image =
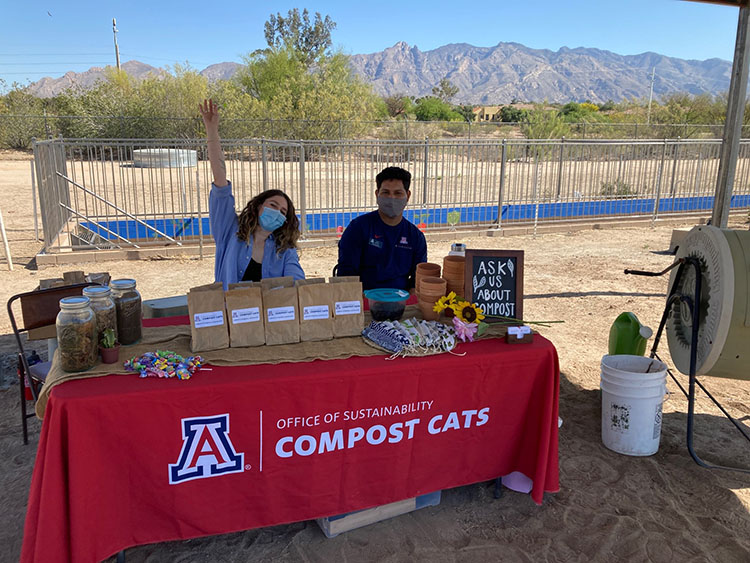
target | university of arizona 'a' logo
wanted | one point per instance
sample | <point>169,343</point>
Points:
<point>207,450</point>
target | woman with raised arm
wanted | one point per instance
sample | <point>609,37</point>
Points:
<point>262,242</point>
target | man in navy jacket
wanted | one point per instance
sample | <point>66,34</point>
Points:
<point>382,247</point>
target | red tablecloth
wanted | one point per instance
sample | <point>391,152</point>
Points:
<point>124,461</point>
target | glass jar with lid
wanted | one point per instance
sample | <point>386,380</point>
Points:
<point>103,306</point>
<point>76,334</point>
<point>128,307</point>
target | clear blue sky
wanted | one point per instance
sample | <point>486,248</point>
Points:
<point>49,38</point>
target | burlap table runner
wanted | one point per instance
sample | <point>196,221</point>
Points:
<point>177,339</point>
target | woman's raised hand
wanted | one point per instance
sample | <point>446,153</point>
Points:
<point>210,113</point>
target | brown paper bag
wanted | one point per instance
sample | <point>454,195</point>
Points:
<point>348,312</point>
<point>315,309</point>
<point>244,302</point>
<point>208,319</point>
<point>280,310</point>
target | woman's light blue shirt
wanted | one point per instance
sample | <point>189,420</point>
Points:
<point>232,254</point>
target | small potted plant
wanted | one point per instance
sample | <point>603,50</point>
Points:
<point>109,348</point>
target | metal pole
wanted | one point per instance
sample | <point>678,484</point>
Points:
<point>264,163</point>
<point>534,188</point>
<point>5,242</point>
<point>730,142</point>
<point>674,173</point>
<point>650,96</point>
<point>658,182</point>
<point>425,168</point>
<point>200,213</point>
<point>302,202</point>
<point>560,166</point>
<point>33,201</point>
<point>117,48</point>
<point>502,185</point>
<point>102,227</point>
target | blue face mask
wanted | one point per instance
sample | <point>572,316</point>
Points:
<point>271,219</point>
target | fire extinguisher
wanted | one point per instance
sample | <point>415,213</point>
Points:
<point>31,360</point>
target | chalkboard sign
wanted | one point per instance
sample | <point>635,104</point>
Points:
<point>494,281</point>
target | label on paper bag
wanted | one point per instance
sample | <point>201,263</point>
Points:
<point>316,312</point>
<point>249,315</point>
<point>277,314</point>
<point>348,308</point>
<point>214,318</point>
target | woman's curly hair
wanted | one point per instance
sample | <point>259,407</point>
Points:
<point>285,236</point>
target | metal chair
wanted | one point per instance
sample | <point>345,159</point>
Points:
<point>38,309</point>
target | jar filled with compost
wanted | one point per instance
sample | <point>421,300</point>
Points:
<point>103,306</point>
<point>76,334</point>
<point>128,307</point>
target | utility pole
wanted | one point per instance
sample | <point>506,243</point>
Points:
<point>117,49</point>
<point>650,96</point>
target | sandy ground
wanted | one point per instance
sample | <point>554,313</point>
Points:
<point>610,507</point>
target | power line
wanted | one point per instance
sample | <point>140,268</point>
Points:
<point>2,73</point>
<point>52,54</point>
<point>162,59</point>
<point>56,63</point>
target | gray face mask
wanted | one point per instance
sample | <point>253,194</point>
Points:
<point>391,206</point>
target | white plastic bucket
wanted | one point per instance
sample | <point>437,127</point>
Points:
<point>633,389</point>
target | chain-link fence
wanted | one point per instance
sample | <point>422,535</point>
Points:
<point>16,131</point>
<point>123,193</point>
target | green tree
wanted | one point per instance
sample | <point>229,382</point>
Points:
<point>398,105</point>
<point>465,111</point>
<point>574,112</point>
<point>445,90</point>
<point>434,109</point>
<point>543,124</point>
<point>686,109</point>
<point>329,91</point>
<point>17,132</point>
<point>509,114</point>
<point>309,41</point>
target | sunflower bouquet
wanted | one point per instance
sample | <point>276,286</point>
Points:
<point>467,316</point>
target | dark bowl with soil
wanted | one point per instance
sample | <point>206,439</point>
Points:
<point>386,304</point>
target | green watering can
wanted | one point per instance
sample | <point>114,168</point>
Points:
<point>628,336</point>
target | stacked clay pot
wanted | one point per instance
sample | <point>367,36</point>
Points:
<point>453,273</point>
<point>430,290</point>
<point>425,270</point>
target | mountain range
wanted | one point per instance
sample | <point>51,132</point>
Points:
<point>491,75</point>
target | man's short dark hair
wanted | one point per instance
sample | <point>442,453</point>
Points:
<point>394,173</point>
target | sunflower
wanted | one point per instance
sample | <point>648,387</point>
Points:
<point>444,302</point>
<point>468,312</point>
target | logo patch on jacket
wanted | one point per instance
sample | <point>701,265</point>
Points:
<point>375,242</point>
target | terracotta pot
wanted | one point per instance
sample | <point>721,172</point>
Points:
<point>428,268</point>
<point>454,263</point>
<point>110,355</point>
<point>431,296</point>
<point>427,313</point>
<point>433,284</point>
<point>457,289</point>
